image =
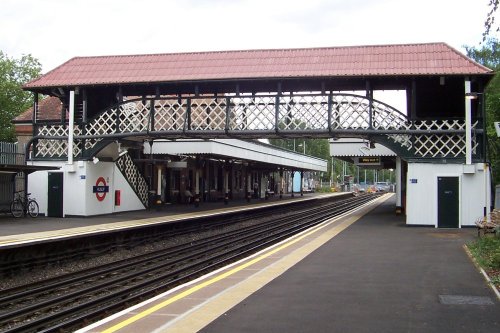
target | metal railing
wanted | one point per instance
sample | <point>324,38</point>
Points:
<point>12,153</point>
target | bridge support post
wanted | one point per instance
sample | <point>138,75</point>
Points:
<point>468,124</point>
<point>71,124</point>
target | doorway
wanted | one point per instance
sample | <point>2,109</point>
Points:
<point>55,194</point>
<point>448,202</point>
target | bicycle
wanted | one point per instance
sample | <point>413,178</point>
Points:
<point>23,205</point>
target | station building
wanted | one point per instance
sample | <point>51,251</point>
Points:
<point>113,104</point>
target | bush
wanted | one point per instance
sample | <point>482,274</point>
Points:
<point>486,250</point>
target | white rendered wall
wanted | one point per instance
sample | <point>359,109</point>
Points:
<point>37,186</point>
<point>79,198</point>
<point>422,196</point>
<point>74,187</point>
<point>93,173</point>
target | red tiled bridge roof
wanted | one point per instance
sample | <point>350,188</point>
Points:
<point>353,61</point>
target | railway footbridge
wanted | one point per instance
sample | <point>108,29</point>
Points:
<point>287,93</point>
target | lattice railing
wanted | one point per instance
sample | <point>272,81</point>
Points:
<point>267,115</point>
<point>48,148</point>
<point>434,145</point>
<point>134,177</point>
<point>169,115</point>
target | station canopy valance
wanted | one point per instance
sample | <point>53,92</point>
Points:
<point>16,168</point>
<point>350,147</point>
<point>241,150</point>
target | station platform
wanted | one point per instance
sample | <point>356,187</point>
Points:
<point>361,272</point>
<point>25,230</point>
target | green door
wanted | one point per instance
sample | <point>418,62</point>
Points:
<point>55,194</point>
<point>448,202</point>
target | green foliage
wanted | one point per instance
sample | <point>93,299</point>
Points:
<point>489,56</point>
<point>489,24</point>
<point>313,147</point>
<point>486,250</point>
<point>13,100</point>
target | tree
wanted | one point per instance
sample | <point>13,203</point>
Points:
<point>489,56</point>
<point>312,147</point>
<point>13,100</point>
<point>489,24</point>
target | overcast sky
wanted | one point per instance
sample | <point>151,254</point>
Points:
<point>55,31</point>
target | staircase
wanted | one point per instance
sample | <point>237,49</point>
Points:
<point>134,177</point>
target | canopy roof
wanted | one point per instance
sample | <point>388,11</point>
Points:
<point>241,150</point>
<point>343,147</point>
<point>351,61</point>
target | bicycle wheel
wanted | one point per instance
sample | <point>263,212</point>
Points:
<point>16,208</point>
<point>33,208</point>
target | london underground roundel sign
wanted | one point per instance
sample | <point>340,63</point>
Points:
<point>100,189</point>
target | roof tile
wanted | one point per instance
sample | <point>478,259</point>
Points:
<point>387,60</point>
<point>49,108</point>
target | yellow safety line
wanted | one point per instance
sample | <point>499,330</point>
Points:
<point>200,286</point>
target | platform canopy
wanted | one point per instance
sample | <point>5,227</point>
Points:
<point>357,147</point>
<point>16,168</point>
<point>363,153</point>
<point>248,151</point>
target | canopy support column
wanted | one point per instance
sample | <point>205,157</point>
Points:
<point>197,188</point>
<point>399,206</point>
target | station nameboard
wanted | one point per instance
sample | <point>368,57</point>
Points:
<point>368,160</point>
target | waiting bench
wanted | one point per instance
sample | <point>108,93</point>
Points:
<point>488,226</point>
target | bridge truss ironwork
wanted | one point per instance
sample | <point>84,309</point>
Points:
<point>271,115</point>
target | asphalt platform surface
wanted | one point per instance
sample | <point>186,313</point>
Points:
<point>377,276</point>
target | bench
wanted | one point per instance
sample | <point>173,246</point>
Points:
<point>488,226</point>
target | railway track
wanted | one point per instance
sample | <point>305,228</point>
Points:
<point>62,251</point>
<point>65,302</point>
